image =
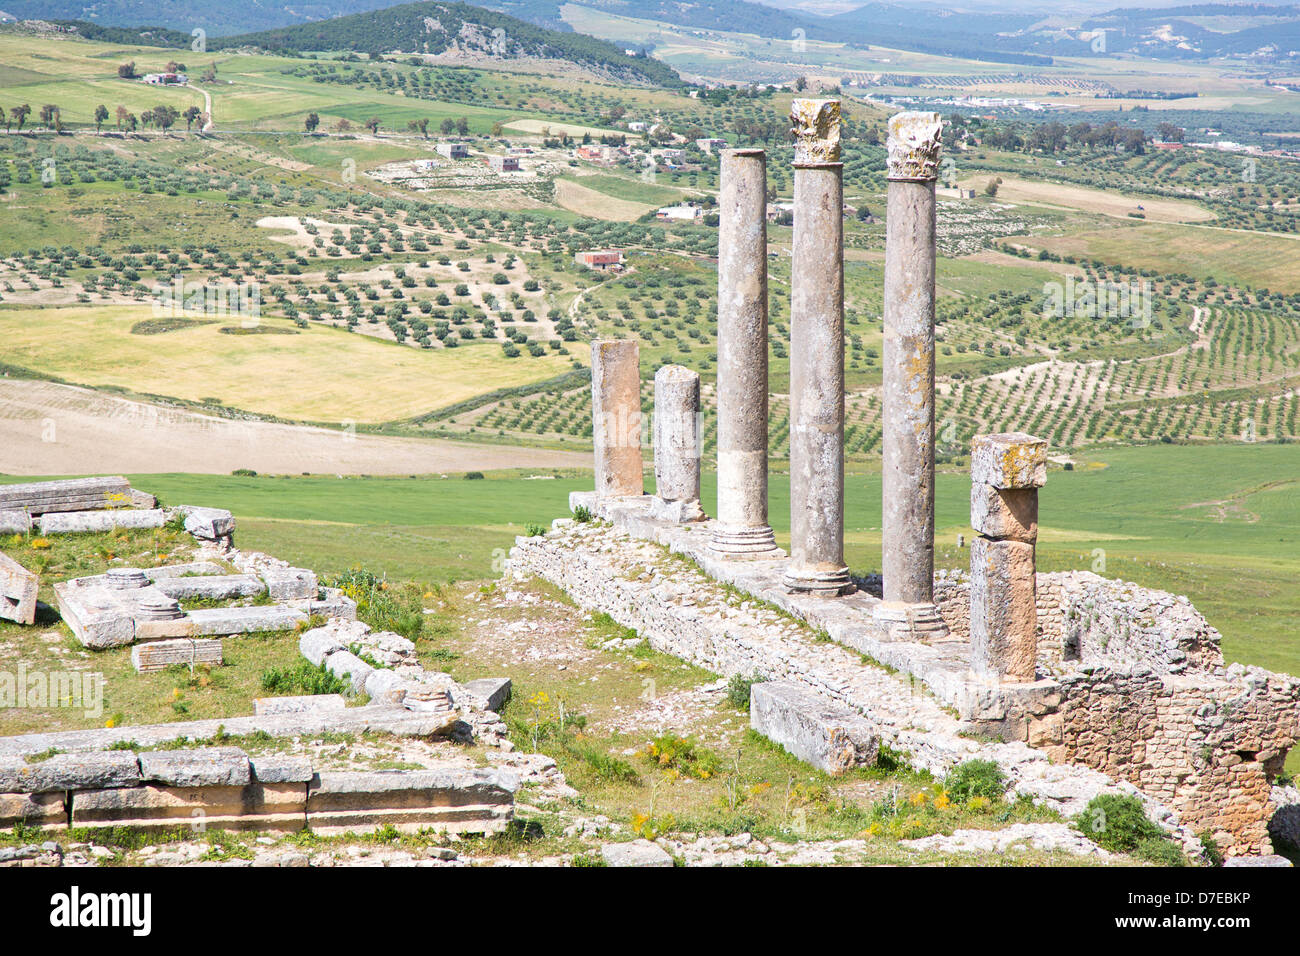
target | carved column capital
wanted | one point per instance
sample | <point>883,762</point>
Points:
<point>816,128</point>
<point>914,144</point>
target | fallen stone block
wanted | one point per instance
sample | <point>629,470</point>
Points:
<point>78,771</point>
<point>1010,513</point>
<point>1269,860</point>
<point>200,767</point>
<point>245,620</point>
<point>1003,612</point>
<point>96,621</point>
<point>334,604</point>
<point>218,587</point>
<point>1009,460</point>
<point>254,806</point>
<point>314,703</point>
<point>289,584</point>
<point>18,588</point>
<point>15,522</point>
<point>159,655</point>
<point>493,691</point>
<point>282,768</point>
<point>830,736</point>
<point>447,800</point>
<point>142,499</point>
<point>33,810</point>
<point>635,853</point>
<point>207,524</point>
<point>318,644</point>
<point>72,494</point>
<point>346,665</point>
<point>83,522</point>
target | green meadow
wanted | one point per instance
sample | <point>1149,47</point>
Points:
<point>1216,523</point>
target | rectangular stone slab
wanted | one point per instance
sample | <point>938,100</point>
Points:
<point>82,522</point>
<point>282,768</point>
<point>33,810</point>
<point>832,737</point>
<point>15,522</point>
<point>245,620</point>
<point>212,586</point>
<point>1010,513</point>
<point>73,494</point>
<point>200,767</point>
<point>159,655</point>
<point>96,621</point>
<point>268,706</point>
<point>81,771</point>
<point>1009,460</point>
<point>255,806</point>
<point>451,800</point>
<point>18,588</point>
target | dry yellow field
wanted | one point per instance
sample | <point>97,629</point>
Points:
<point>315,374</point>
<point>590,202</point>
<point>1097,201</point>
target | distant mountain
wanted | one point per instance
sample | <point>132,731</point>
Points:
<point>216,19</point>
<point>433,27</point>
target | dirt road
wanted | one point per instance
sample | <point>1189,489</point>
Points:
<point>48,429</point>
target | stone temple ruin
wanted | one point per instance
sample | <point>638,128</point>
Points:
<point>1075,685</point>
<point>114,777</point>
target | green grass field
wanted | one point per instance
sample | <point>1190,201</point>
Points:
<point>1213,523</point>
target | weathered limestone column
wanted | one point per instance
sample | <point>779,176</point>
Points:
<point>817,354</point>
<point>616,418</point>
<point>741,529</point>
<point>907,525</point>
<point>677,444</point>
<point>1006,472</point>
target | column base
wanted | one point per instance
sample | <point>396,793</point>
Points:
<point>915,621</point>
<point>683,511</point>
<point>753,543</point>
<point>826,583</point>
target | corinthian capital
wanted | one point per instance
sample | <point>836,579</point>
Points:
<point>816,129</point>
<point>914,144</point>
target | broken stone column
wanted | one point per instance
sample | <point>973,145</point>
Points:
<point>817,354</point>
<point>907,524</point>
<point>18,588</point>
<point>677,444</point>
<point>1006,472</point>
<point>741,529</point>
<point>616,418</point>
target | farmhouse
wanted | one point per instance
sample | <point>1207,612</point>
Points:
<point>684,212</point>
<point>453,150</point>
<point>165,79</point>
<point>503,164</point>
<point>603,259</point>
<point>708,145</point>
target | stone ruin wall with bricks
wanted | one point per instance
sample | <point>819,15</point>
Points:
<point>1076,685</point>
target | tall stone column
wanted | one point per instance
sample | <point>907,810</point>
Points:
<point>1006,472</point>
<point>817,354</point>
<point>677,444</point>
<point>741,529</point>
<point>907,526</point>
<point>616,418</point>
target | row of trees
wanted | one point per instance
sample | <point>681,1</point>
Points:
<point>161,117</point>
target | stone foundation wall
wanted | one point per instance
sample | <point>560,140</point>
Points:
<point>1209,749</point>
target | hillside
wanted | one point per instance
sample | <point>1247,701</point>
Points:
<point>218,19</point>
<point>455,28</point>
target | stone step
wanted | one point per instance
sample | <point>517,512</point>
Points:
<point>448,800</point>
<point>74,494</point>
<point>159,655</point>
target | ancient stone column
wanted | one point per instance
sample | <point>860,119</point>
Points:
<point>1006,472</point>
<point>817,354</point>
<point>907,526</point>
<point>741,529</point>
<point>616,418</point>
<point>677,444</point>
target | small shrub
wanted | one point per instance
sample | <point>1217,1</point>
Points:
<point>1210,849</point>
<point>534,530</point>
<point>582,514</point>
<point>976,778</point>
<point>1161,851</point>
<point>682,756</point>
<point>1117,823</point>
<point>473,476</point>
<point>738,690</point>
